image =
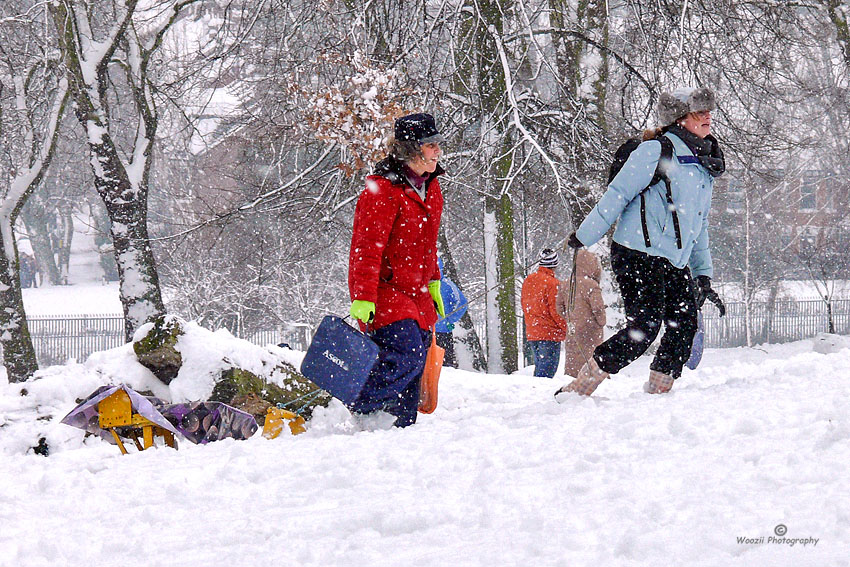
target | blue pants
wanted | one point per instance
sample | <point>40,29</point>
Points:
<point>393,384</point>
<point>547,354</point>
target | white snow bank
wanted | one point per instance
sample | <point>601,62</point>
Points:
<point>500,474</point>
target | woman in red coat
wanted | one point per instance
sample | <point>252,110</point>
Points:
<point>393,276</point>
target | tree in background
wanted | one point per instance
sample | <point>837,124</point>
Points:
<point>33,93</point>
<point>264,207</point>
<point>752,239</point>
<point>48,218</point>
<point>109,51</point>
<point>483,84</point>
<point>531,96</point>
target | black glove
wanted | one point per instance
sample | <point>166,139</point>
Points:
<point>574,242</point>
<point>704,292</point>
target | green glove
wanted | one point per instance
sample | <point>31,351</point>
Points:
<point>434,290</point>
<point>363,310</point>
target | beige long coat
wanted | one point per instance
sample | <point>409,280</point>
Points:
<point>588,314</point>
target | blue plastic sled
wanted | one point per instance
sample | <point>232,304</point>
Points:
<point>698,344</point>
<point>339,359</point>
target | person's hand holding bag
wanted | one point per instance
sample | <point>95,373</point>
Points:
<point>362,310</point>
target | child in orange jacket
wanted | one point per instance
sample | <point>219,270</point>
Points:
<point>544,326</point>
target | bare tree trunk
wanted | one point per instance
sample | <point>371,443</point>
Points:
<point>63,252</point>
<point>830,320</point>
<point>505,285</point>
<point>140,292</point>
<point>123,186</point>
<point>567,52</point>
<point>748,293</point>
<point>103,241</point>
<point>502,345</point>
<point>471,355</point>
<point>32,130</point>
<point>39,235</point>
<point>488,87</point>
<point>770,312</point>
<point>18,351</point>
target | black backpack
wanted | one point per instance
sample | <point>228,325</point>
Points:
<point>622,154</point>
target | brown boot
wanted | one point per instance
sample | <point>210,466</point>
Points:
<point>658,383</point>
<point>587,380</point>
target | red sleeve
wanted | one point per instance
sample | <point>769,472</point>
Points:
<point>374,217</point>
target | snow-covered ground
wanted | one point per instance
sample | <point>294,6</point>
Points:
<point>85,294</point>
<point>90,298</point>
<point>500,474</point>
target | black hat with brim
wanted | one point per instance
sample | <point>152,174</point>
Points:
<point>419,127</point>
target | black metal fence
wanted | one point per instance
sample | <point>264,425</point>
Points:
<point>298,337</point>
<point>784,322</point>
<point>59,339</point>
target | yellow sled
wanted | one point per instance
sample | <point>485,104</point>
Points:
<point>276,418</point>
<point>116,412</point>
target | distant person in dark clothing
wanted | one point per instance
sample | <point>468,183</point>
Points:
<point>27,264</point>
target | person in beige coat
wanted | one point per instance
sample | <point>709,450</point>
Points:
<point>587,317</point>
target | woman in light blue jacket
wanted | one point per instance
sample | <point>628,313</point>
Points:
<point>661,240</point>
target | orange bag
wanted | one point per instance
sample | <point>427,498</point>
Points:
<point>431,376</point>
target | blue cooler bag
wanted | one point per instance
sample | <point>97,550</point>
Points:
<point>339,359</point>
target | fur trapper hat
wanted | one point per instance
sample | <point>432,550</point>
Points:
<point>672,106</point>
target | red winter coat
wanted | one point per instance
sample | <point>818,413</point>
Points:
<point>393,252</point>
<point>539,294</point>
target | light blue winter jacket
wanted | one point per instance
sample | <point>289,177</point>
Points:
<point>691,185</point>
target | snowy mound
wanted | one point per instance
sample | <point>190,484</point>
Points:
<point>743,463</point>
<point>56,390</point>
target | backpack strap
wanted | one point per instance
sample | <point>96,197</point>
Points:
<point>663,164</point>
<point>673,210</point>
<point>646,240</point>
<point>661,174</point>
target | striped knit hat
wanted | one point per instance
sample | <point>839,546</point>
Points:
<point>548,258</point>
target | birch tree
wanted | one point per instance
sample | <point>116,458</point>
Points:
<point>32,100</point>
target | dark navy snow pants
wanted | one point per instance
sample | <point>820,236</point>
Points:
<point>393,384</point>
<point>653,291</point>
